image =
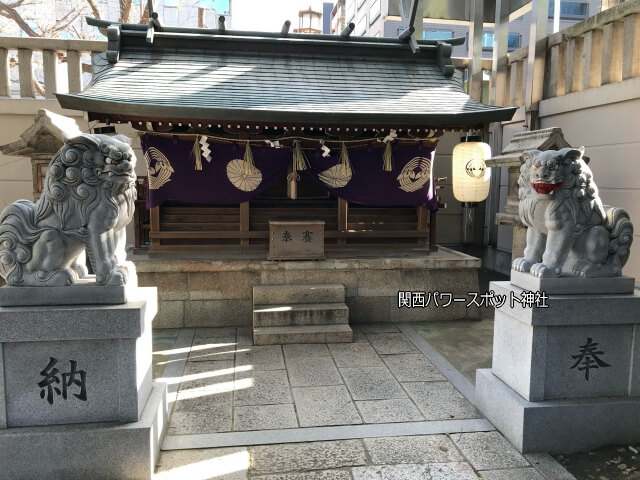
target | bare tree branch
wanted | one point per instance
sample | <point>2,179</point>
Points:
<point>94,8</point>
<point>62,24</point>
<point>37,86</point>
<point>9,11</point>
<point>125,11</point>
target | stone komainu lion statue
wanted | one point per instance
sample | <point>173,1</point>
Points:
<point>570,232</point>
<point>87,201</point>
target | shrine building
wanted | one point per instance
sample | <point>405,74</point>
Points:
<point>248,135</point>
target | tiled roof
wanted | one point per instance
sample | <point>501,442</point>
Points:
<point>323,80</point>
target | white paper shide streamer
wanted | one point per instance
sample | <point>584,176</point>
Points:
<point>205,150</point>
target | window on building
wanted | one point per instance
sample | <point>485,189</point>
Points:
<point>351,9</point>
<point>514,42</point>
<point>374,11</point>
<point>570,9</point>
<point>432,34</point>
<point>361,27</point>
<point>172,3</point>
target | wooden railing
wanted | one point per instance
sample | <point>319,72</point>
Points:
<point>36,61</point>
<point>600,50</point>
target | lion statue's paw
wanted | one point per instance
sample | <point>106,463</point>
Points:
<point>118,278</point>
<point>81,270</point>
<point>543,271</point>
<point>586,269</point>
<point>57,278</point>
<point>521,265</point>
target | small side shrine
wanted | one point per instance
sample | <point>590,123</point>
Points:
<point>40,142</point>
<point>242,128</point>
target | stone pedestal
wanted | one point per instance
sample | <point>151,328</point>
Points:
<point>565,378</point>
<point>76,392</point>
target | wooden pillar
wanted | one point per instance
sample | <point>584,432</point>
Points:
<point>343,213</point>
<point>500,44</point>
<point>534,88</point>
<point>417,24</point>
<point>475,49</point>
<point>432,232</point>
<point>154,221</point>
<point>423,222</point>
<point>244,221</point>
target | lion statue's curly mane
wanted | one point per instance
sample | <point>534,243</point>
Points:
<point>86,203</point>
<point>570,232</point>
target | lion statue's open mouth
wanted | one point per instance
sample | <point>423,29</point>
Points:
<point>546,188</point>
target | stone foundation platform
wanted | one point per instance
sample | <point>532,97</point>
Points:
<point>566,376</point>
<point>557,426</point>
<point>96,450</point>
<point>76,392</point>
<point>195,290</point>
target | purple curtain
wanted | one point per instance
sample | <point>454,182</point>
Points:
<point>172,173</point>
<point>409,183</point>
<point>222,181</point>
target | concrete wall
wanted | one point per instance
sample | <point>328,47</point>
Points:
<point>605,121</point>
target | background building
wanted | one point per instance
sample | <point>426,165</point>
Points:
<point>338,17</point>
<point>371,19</point>
<point>326,17</point>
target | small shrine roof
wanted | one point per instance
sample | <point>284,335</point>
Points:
<point>163,73</point>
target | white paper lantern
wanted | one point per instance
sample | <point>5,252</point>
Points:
<point>470,175</point>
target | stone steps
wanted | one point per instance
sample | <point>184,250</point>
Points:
<point>296,294</point>
<point>300,314</point>
<point>302,334</point>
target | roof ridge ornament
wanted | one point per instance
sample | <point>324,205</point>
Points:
<point>348,30</point>
<point>285,28</point>
<point>443,58</point>
<point>113,43</point>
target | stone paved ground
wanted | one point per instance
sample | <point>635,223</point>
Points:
<point>229,385</point>
<point>466,456</point>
